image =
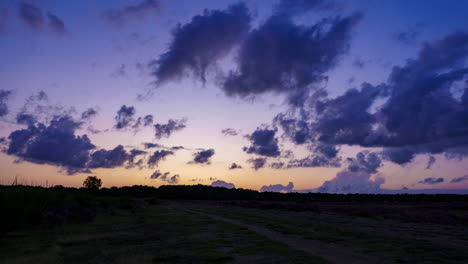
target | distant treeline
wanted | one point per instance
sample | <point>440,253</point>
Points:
<point>203,192</point>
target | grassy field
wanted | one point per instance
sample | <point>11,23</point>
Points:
<point>130,229</point>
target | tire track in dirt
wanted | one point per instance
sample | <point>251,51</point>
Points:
<point>330,251</point>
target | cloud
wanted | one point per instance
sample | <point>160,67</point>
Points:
<point>34,17</point>
<point>56,24</point>
<point>165,176</point>
<point>459,179</point>
<point>199,44</point>
<point>220,183</point>
<point>203,157</point>
<point>88,114</point>
<point>54,144</point>
<point>312,162</point>
<point>57,144</point>
<point>110,158</point>
<point>149,145</point>
<point>235,166</point>
<point>257,163</point>
<point>365,161</point>
<point>278,188</point>
<point>432,180</point>
<point>283,57</point>
<point>408,36</point>
<point>4,96</point>
<point>124,116</point>
<point>352,182</point>
<point>166,130</point>
<point>413,113</point>
<point>25,119</point>
<point>138,11</point>
<point>229,132</point>
<point>263,143</point>
<point>430,162</point>
<point>157,156</point>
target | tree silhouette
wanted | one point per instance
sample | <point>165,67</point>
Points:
<point>92,183</point>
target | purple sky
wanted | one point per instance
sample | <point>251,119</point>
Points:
<point>334,96</point>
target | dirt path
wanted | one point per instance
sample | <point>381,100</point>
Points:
<point>329,251</point>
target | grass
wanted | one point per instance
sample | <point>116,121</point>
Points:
<point>159,234</point>
<point>406,250</point>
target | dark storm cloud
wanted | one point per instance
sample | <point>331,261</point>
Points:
<point>368,162</point>
<point>124,116</point>
<point>263,143</point>
<point>432,180</point>
<point>138,11</point>
<point>157,156</point>
<point>4,96</point>
<point>257,163</point>
<point>32,15</point>
<point>88,114</point>
<point>413,113</point>
<point>460,179</point>
<point>165,176</point>
<point>200,43</point>
<point>203,157</point>
<point>229,132</point>
<point>220,183</point>
<point>56,24</point>
<point>166,130</point>
<point>54,144</point>
<point>284,57</point>
<point>235,166</point>
<point>278,188</point>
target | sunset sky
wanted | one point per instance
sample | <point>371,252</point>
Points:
<point>334,96</point>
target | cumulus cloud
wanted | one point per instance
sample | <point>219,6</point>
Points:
<point>220,183</point>
<point>365,161</point>
<point>263,143</point>
<point>166,130</point>
<point>4,96</point>
<point>157,156</point>
<point>257,163</point>
<point>284,57</point>
<point>88,114</point>
<point>352,182</point>
<point>137,12</point>
<point>414,112</point>
<point>200,43</point>
<point>165,176</point>
<point>57,144</point>
<point>124,116</point>
<point>459,179</point>
<point>203,157</point>
<point>229,132</point>
<point>278,188</point>
<point>235,166</point>
<point>431,180</point>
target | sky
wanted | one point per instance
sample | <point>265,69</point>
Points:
<point>289,95</point>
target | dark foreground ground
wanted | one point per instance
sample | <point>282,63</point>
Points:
<point>207,231</point>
